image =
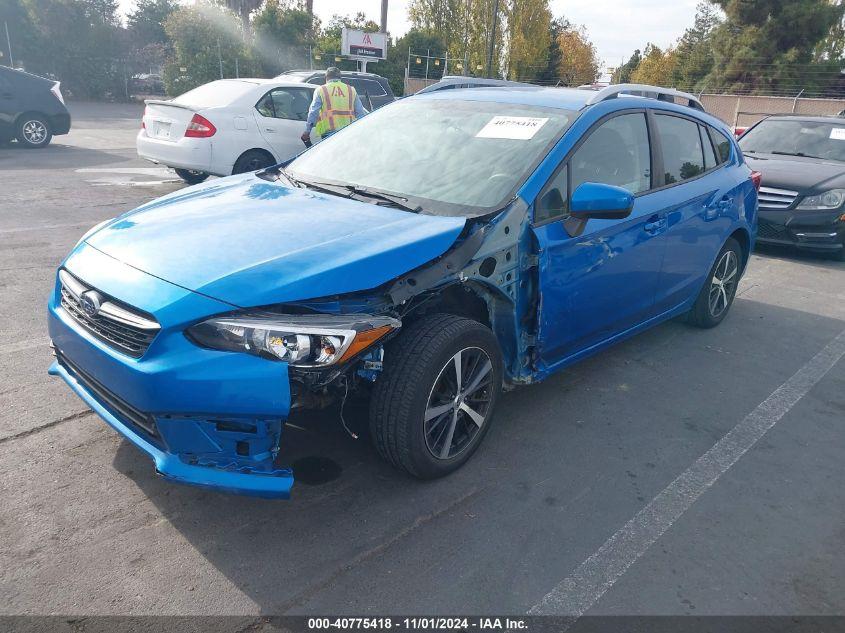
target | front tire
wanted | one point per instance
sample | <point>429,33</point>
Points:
<point>717,296</point>
<point>33,131</point>
<point>191,176</point>
<point>434,401</point>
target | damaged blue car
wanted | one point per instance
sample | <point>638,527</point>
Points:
<point>437,252</point>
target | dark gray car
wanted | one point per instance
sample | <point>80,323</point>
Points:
<point>32,109</point>
<point>374,90</point>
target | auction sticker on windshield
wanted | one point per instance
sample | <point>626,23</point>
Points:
<point>515,127</point>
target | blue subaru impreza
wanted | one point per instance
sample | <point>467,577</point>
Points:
<point>435,252</point>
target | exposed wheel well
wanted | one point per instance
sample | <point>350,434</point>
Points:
<point>741,236</point>
<point>456,299</point>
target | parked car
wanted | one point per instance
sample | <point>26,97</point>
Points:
<point>32,108</point>
<point>146,84</point>
<point>802,197</point>
<point>527,230</point>
<point>451,82</point>
<point>374,90</point>
<point>229,126</point>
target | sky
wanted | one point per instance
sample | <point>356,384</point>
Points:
<point>616,27</point>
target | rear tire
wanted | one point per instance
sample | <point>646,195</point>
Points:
<point>33,131</point>
<point>718,293</point>
<point>191,176</point>
<point>253,160</point>
<point>422,420</point>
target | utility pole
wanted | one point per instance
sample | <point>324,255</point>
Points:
<point>491,45</point>
<point>384,16</point>
<point>219,58</point>
<point>9,44</point>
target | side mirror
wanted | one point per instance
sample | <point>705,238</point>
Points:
<point>593,200</point>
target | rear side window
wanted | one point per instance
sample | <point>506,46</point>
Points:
<point>680,141</point>
<point>709,155</point>
<point>286,103</point>
<point>722,145</point>
<point>616,153</point>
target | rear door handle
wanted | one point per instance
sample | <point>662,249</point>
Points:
<point>655,225</point>
<point>272,130</point>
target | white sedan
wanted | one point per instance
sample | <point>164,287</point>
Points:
<point>230,126</point>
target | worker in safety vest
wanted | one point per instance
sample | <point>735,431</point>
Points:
<point>334,106</point>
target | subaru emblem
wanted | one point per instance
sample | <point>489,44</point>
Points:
<point>90,303</point>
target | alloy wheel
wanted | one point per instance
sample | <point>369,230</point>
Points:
<point>34,132</point>
<point>459,403</point>
<point>723,284</point>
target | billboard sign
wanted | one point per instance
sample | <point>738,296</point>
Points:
<point>361,44</point>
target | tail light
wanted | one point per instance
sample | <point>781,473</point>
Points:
<point>739,131</point>
<point>200,127</point>
<point>56,90</point>
<point>757,179</point>
<point>144,116</point>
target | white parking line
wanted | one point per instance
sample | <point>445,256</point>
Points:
<point>576,594</point>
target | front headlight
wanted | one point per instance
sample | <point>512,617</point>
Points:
<point>832,199</point>
<point>303,340</point>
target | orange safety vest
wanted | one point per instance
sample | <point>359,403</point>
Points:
<point>338,107</point>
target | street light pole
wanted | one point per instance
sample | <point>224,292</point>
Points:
<point>9,44</point>
<point>491,45</point>
<point>384,16</point>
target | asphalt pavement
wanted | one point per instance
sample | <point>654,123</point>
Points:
<point>587,495</point>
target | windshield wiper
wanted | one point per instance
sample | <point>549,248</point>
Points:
<point>395,200</point>
<point>801,154</point>
<point>355,192</point>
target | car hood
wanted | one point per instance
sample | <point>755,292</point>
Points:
<point>798,173</point>
<point>251,242</point>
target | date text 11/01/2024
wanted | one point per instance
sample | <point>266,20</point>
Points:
<point>419,623</point>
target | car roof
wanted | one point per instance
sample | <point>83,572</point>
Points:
<point>22,74</point>
<point>311,73</point>
<point>563,98</point>
<point>260,81</point>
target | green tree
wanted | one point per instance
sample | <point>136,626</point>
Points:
<point>204,39</point>
<point>768,46</point>
<point>416,41</point>
<point>283,34</point>
<point>657,67</point>
<point>529,24</point>
<point>146,23</point>
<point>579,62</point>
<point>22,34</point>
<point>548,71</point>
<point>622,75</point>
<point>694,52</point>
<point>79,43</point>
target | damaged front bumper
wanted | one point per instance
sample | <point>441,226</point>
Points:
<point>227,474</point>
<point>206,418</point>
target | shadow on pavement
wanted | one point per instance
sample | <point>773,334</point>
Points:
<point>567,462</point>
<point>56,156</point>
<point>790,253</point>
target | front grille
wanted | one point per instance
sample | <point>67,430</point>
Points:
<point>118,325</point>
<point>770,231</point>
<point>771,198</point>
<point>116,405</point>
